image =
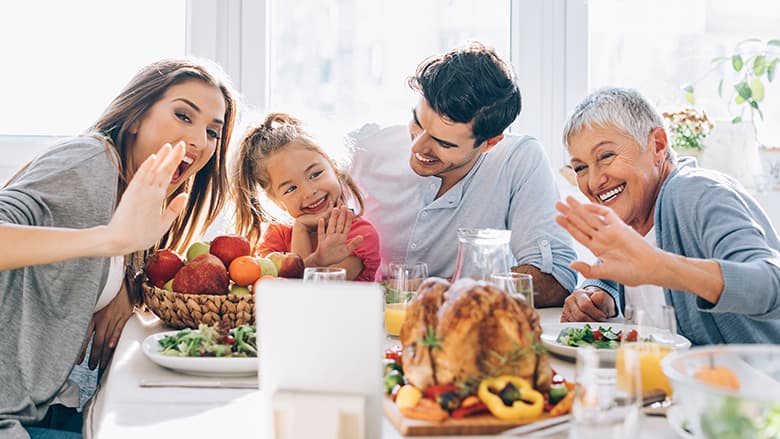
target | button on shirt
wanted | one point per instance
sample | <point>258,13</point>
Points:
<point>511,187</point>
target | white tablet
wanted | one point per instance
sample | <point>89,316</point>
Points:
<point>324,338</point>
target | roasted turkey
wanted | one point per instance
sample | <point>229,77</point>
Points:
<point>463,332</point>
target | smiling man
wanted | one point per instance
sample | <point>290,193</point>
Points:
<point>463,172</point>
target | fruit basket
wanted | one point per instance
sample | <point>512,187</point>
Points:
<point>181,310</point>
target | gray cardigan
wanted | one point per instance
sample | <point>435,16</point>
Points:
<point>704,214</point>
<point>45,310</point>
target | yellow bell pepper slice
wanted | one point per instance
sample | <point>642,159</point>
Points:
<point>529,406</point>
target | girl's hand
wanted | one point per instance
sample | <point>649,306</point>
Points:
<point>332,245</point>
<point>139,220</point>
<point>307,221</point>
<point>311,221</point>
<point>625,256</point>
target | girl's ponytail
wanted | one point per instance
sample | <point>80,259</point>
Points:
<point>250,214</point>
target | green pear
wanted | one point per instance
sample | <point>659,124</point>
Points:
<point>268,267</point>
<point>196,249</point>
<point>168,285</point>
<point>239,290</point>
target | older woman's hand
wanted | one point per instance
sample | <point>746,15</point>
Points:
<point>624,255</point>
<point>589,305</point>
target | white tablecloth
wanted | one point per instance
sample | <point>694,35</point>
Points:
<point>123,409</point>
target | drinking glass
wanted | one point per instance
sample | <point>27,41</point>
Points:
<point>607,398</point>
<point>402,283</point>
<point>656,327</point>
<point>319,274</point>
<point>519,285</point>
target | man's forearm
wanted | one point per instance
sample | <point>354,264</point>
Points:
<point>547,291</point>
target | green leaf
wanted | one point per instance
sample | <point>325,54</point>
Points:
<point>739,100</point>
<point>773,43</point>
<point>770,70</point>
<point>688,88</point>
<point>689,98</point>
<point>737,119</point>
<point>736,62</point>
<point>759,65</point>
<point>757,90</point>
<point>754,104</point>
<point>744,90</point>
<point>718,59</point>
<point>720,88</point>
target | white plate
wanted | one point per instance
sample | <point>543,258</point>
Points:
<point>550,334</point>
<point>676,419</point>
<point>203,366</point>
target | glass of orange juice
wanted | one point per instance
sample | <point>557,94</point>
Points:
<point>656,327</point>
<point>402,283</point>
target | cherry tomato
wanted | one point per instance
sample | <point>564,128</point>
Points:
<point>394,353</point>
<point>632,335</point>
<point>597,335</point>
<point>228,339</point>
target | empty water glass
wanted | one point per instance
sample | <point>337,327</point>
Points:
<point>607,399</point>
<point>320,274</point>
<point>519,285</point>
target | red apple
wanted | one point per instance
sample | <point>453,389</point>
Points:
<point>229,247</point>
<point>288,265</point>
<point>205,274</point>
<point>162,266</point>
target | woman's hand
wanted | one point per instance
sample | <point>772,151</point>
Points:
<point>589,305</point>
<point>625,256</point>
<point>107,325</point>
<point>139,220</point>
<point>332,245</point>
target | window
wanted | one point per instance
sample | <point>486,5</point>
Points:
<point>64,61</point>
<point>350,58</point>
<point>658,47</point>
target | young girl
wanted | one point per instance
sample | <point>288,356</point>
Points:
<point>51,312</point>
<point>280,158</point>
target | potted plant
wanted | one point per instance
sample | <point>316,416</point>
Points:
<point>745,71</point>
<point>733,147</point>
<point>687,130</point>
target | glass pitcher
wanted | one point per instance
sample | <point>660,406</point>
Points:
<point>482,252</point>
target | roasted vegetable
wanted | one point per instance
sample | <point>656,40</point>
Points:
<point>511,398</point>
<point>392,379</point>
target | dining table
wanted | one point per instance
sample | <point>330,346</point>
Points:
<point>140,399</point>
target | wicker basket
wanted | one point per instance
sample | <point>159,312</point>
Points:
<point>189,310</point>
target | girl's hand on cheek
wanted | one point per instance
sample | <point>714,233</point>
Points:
<point>307,221</point>
<point>332,245</point>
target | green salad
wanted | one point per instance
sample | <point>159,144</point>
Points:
<point>731,418</point>
<point>211,341</point>
<point>601,338</point>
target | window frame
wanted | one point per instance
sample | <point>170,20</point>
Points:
<point>548,46</point>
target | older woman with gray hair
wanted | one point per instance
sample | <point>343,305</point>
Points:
<point>664,230</point>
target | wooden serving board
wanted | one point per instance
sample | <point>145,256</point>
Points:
<point>472,425</point>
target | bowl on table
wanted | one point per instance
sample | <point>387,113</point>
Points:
<point>728,391</point>
<point>181,310</point>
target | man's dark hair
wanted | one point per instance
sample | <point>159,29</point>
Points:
<point>470,83</point>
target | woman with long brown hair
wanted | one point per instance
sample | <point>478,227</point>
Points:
<point>52,312</point>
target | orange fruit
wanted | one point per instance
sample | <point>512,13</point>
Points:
<point>244,270</point>
<point>718,376</point>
